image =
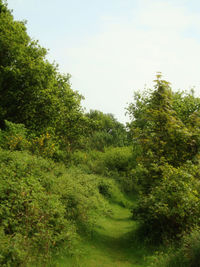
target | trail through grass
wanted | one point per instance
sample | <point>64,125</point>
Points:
<point>113,243</point>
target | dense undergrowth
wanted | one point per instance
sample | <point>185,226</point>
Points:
<point>48,205</point>
<point>45,206</point>
<point>114,162</point>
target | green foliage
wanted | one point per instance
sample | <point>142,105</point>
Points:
<point>32,91</point>
<point>191,248</point>
<point>13,137</point>
<point>32,217</point>
<point>90,161</point>
<point>105,131</point>
<point>80,195</point>
<point>163,137</point>
<point>186,255</point>
<point>136,109</point>
<point>17,137</point>
<point>172,206</point>
<point>44,145</point>
<point>42,207</point>
<point>166,153</point>
<point>118,160</point>
<point>159,136</point>
<point>110,189</point>
<point>114,162</point>
<point>185,104</point>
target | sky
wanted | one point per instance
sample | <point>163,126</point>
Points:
<point>113,48</point>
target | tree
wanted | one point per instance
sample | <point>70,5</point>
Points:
<point>166,148</point>
<point>185,104</point>
<point>105,131</point>
<point>32,91</point>
<point>159,134</point>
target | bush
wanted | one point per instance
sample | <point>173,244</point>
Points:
<point>186,255</point>
<point>14,136</point>
<point>110,189</point>
<point>43,205</point>
<point>80,195</point>
<point>171,207</point>
<point>114,162</point>
<point>117,160</point>
<point>32,217</point>
<point>90,162</point>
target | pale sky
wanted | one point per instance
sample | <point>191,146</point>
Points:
<point>115,47</point>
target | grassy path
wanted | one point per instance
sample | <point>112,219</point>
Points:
<point>113,243</point>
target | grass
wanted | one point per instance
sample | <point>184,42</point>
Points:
<point>113,243</point>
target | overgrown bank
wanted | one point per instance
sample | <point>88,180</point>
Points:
<point>48,206</point>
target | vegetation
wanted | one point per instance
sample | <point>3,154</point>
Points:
<point>75,183</point>
<point>106,131</point>
<point>166,144</point>
<point>109,247</point>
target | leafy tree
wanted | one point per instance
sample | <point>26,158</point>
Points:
<point>105,130</point>
<point>185,104</point>
<point>159,135</point>
<point>166,149</point>
<point>32,91</point>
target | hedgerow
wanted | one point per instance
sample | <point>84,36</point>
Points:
<point>43,207</point>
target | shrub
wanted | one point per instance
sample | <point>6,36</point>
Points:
<point>80,195</point>
<point>43,205</point>
<point>43,145</point>
<point>118,163</point>
<point>14,136</point>
<point>110,189</point>
<point>187,254</point>
<point>118,160</point>
<point>171,207</point>
<point>114,162</point>
<point>32,217</point>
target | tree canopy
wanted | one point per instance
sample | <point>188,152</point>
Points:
<point>32,91</point>
<point>161,130</point>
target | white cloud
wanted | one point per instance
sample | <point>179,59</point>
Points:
<point>126,54</point>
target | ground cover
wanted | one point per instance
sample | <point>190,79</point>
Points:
<point>113,243</point>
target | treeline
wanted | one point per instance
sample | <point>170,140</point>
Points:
<point>34,93</point>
